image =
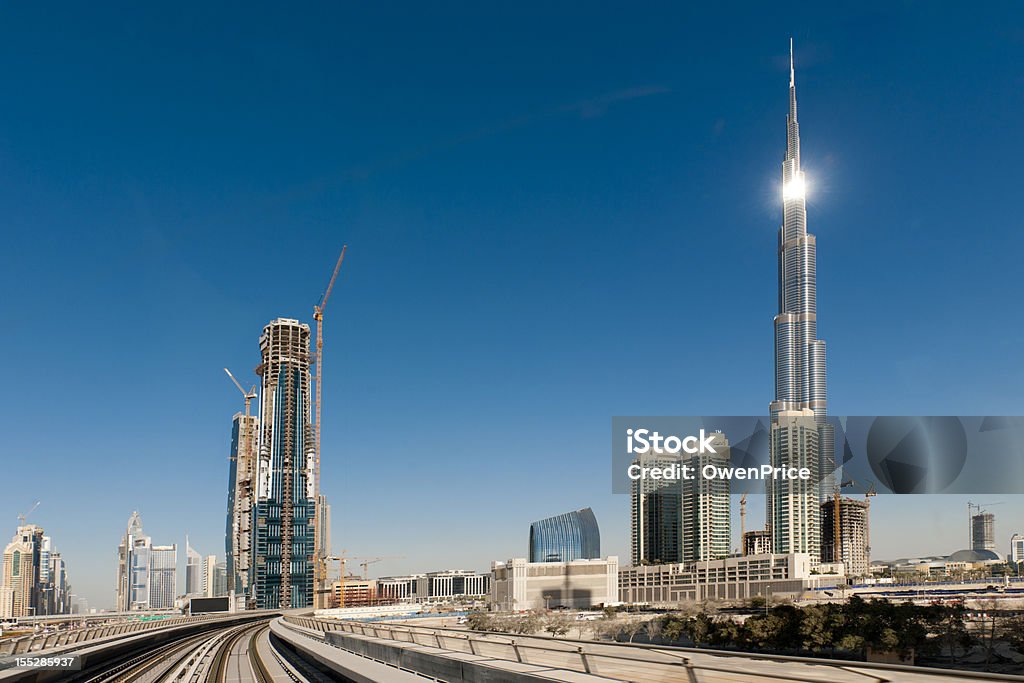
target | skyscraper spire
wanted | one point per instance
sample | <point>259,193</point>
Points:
<point>792,73</point>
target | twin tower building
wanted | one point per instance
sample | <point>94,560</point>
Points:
<point>689,520</point>
<point>276,519</point>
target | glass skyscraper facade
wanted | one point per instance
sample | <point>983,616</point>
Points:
<point>656,513</point>
<point>286,491</point>
<point>800,369</point>
<point>563,538</point>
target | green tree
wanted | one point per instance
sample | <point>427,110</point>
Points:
<point>557,624</point>
<point>672,628</point>
<point>818,627</point>
<point>631,628</point>
<point>701,628</point>
<point>480,621</point>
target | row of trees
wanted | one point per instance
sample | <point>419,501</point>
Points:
<point>847,629</point>
<point>842,630</point>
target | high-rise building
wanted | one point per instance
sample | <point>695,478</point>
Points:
<point>793,504</point>
<point>193,571</point>
<point>853,535</point>
<point>241,488</point>
<point>163,570</point>
<point>656,513</point>
<point>220,580</point>
<point>983,531</point>
<point>19,590</point>
<point>146,574</point>
<point>323,530</point>
<point>286,491</point>
<point>58,588</point>
<point>209,583</point>
<point>799,354</point>
<point>51,588</point>
<point>706,521</point>
<point>1016,549</point>
<point>563,538</point>
<point>133,567</point>
<point>800,369</point>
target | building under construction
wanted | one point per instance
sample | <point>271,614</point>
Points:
<point>983,531</point>
<point>854,552</point>
<point>757,542</point>
<point>241,487</point>
<point>285,508</point>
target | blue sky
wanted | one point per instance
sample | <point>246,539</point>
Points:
<point>553,216</point>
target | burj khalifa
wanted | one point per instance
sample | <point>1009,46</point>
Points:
<point>799,354</point>
<point>800,435</point>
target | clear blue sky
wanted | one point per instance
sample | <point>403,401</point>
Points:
<point>554,215</point>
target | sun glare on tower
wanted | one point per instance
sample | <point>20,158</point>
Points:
<point>795,188</point>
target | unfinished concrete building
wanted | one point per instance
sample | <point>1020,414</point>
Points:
<point>241,491</point>
<point>854,552</point>
<point>283,562</point>
<point>757,542</point>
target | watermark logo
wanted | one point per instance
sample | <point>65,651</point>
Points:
<point>642,441</point>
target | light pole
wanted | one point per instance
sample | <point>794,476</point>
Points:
<point>768,600</point>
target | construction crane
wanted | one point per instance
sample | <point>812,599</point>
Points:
<point>24,515</point>
<point>868,495</point>
<point>743,524</point>
<point>249,395</point>
<point>367,561</point>
<point>837,544</point>
<point>320,565</point>
<point>342,560</point>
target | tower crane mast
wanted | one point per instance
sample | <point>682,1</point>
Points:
<point>320,561</point>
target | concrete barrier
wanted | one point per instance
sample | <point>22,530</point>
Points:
<point>442,665</point>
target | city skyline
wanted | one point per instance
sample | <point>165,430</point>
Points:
<point>514,346</point>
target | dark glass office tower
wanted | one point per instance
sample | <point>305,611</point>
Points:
<point>564,538</point>
<point>286,492</point>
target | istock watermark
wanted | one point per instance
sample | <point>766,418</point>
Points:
<point>886,454</point>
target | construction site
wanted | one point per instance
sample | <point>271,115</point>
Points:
<point>278,533</point>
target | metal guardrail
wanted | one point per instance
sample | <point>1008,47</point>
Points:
<point>594,657</point>
<point>44,641</point>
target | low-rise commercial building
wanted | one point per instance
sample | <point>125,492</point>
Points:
<point>731,578</point>
<point>520,585</point>
<point>449,585</point>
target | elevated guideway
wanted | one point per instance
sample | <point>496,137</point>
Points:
<point>131,651</point>
<point>456,655</point>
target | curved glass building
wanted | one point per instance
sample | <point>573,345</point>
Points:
<point>572,536</point>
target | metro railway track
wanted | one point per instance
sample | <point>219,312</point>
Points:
<point>259,669</point>
<point>176,661</point>
<point>135,667</point>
